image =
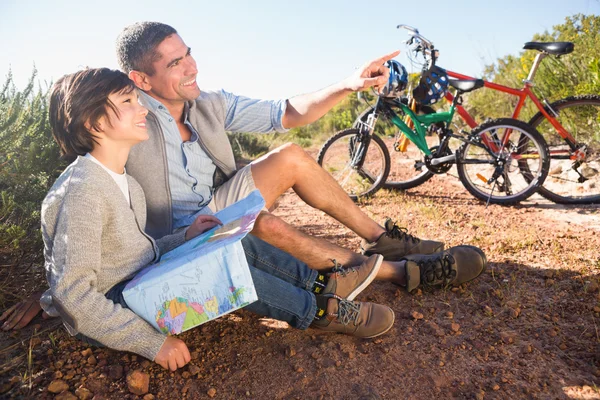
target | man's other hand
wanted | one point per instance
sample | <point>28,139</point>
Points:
<point>19,315</point>
<point>201,225</point>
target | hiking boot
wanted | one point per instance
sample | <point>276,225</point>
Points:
<point>347,283</point>
<point>451,267</point>
<point>364,320</point>
<point>396,243</point>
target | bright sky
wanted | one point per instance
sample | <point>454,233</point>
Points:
<point>272,49</point>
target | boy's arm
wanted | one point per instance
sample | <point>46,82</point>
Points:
<point>76,255</point>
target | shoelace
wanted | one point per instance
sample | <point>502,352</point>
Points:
<point>348,312</point>
<point>435,270</point>
<point>340,269</point>
<point>396,232</point>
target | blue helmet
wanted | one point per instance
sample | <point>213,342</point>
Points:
<point>397,81</point>
<point>433,85</point>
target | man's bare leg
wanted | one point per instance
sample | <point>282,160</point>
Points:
<point>289,166</point>
<point>318,253</point>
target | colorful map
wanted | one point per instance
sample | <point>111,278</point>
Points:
<point>201,280</point>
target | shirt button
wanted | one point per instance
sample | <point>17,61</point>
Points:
<point>170,119</point>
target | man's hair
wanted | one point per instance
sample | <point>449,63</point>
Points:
<point>82,98</point>
<point>137,43</point>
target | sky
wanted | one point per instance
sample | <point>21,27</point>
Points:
<point>273,49</point>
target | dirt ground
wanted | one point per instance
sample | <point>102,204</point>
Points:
<point>527,328</point>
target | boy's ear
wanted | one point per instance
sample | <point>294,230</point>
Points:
<point>140,79</point>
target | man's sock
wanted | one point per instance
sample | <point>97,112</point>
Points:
<point>320,283</point>
<point>321,307</point>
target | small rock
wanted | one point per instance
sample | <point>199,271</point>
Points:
<point>338,363</point>
<point>449,314</point>
<point>549,282</point>
<point>66,396</point>
<point>87,352</point>
<point>92,360</point>
<point>137,382</point>
<point>211,392</point>
<point>591,287</point>
<point>488,310</point>
<point>527,348</point>
<point>495,388</point>
<point>149,396</point>
<point>290,352</point>
<point>185,375</point>
<point>145,364</point>
<point>455,327</point>
<point>562,346</point>
<point>416,315</point>
<point>299,369</point>
<point>508,337</point>
<point>83,394</point>
<point>194,369</point>
<point>315,355</point>
<point>115,372</point>
<point>59,364</point>
<point>58,375</point>
<point>57,386</point>
<point>515,312</point>
<point>480,395</point>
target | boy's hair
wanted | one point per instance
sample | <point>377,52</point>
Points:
<point>82,98</point>
<point>137,43</point>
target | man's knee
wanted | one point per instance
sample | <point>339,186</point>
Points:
<point>292,154</point>
<point>268,224</point>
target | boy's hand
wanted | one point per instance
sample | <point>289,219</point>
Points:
<point>173,354</point>
<point>373,73</point>
<point>201,225</point>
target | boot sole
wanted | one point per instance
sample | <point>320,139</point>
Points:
<point>367,282</point>
<point>386,330</point>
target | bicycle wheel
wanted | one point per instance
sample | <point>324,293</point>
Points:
<point>336,157</point>
<point>497,177</point>
<point>567,182</point>
<point>407,168</point>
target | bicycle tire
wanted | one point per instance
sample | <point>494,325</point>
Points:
<point>562,184</point>
<point>485,192</point>
<point>402,164</point>
<point>335,156</point>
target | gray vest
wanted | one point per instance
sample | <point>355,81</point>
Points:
<point>147,161</point>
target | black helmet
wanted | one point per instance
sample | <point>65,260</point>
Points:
<point>433,85</point>
<point>397,81</point>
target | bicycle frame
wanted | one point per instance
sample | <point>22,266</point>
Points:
<point>522,94</point>
<point>421,122</point>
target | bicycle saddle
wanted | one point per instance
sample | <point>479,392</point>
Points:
<point>466,85</point>
<point>556,48</point>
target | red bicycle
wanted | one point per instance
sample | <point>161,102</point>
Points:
<point>570,126</point>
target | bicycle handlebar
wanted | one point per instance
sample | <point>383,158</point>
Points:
<point>416,35</point>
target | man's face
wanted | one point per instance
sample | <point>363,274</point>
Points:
<point>174,78</point>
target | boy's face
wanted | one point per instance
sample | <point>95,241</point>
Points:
<point>174,78</point>
<point>129,126</point>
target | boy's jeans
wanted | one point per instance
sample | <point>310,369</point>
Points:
<point>283,285</point>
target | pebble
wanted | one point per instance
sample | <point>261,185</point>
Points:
<point>87,352</point>
<point>149,396</point>
<point>416,315</point>
<point>496,388</point>
<point>115,372</point>
<point>211,392</point>
<point>92,360</point>
<point>455,327</point>
<point>449,314</point>
<point>57,386</point>
<point>290,352</point>
<point>138,382</point>
<point>194,369</point>
<point>83,393</point>
<point>66,396</point>
<point>591,287</point>
<point>185,374</point>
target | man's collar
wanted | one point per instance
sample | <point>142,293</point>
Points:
<point>150,102</point>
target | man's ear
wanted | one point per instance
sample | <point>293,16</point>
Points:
<point>140,79</point>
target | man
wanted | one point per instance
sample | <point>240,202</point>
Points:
<point>189,155</point>
<point>187,168</point>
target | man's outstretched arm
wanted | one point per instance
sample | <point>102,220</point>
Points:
<point>307,108</point>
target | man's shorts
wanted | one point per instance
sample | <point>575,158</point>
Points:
<point>239,186</point>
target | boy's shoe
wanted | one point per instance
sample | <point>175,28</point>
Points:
<point>347,283</point>
<point>396,243</point>
<point>364,320</point>
<point>451,267</point>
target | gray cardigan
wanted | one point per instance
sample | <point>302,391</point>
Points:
<point>93,240</point>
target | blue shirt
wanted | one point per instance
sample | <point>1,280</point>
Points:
<point>191,171</point>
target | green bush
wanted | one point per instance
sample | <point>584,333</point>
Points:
<point>29,160</point>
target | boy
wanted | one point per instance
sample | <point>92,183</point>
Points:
<point>93,226</point>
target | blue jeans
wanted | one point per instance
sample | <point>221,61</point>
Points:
<point>283,285</point>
